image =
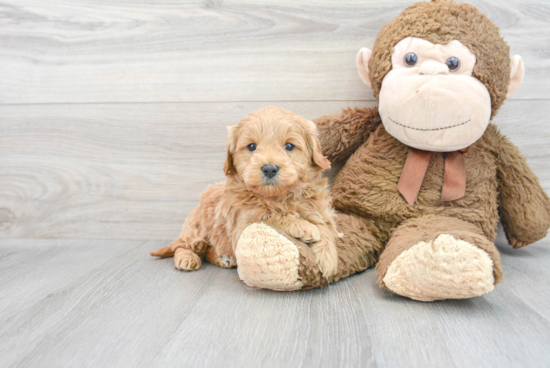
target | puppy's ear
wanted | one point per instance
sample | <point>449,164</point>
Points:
<point>312,140</point>
<point>229,167</point>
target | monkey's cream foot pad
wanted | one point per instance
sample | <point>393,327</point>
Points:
<point>267,259</point>
<point>445,268</point>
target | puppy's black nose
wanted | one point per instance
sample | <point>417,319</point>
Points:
<point>270,170</point>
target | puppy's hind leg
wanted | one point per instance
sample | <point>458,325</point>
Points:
<point>186,260</point>
<point>224,261</point>
<point>186,252</point>
<point>194,239</point>
<point>168,250</point>
<point>193,235</point>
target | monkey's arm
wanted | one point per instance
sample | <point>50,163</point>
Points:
<point>524,206</point>
<point>341,134</point>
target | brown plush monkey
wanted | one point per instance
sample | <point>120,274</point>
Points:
<point>427,175</point>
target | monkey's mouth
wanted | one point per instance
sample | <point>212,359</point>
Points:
<point>430,130</point>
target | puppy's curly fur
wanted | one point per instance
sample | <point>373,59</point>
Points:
<point>295,201</point>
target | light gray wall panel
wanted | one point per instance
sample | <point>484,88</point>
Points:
<point>181,51</point>
<point>134,171</point>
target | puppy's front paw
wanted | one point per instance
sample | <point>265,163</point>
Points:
<point>305,231</point>
<point>326,257</point>
<point>186,260</point>
<point>227,261</point>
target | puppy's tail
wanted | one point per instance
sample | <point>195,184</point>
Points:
<point>163,252</point>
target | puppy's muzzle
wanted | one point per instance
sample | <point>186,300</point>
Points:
<point>270,171</point>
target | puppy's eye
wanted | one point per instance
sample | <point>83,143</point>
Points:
<point>289,146</point>
<point>251,147</point>
<point>411,59</point>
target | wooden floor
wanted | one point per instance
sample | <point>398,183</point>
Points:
<point>105,303</point>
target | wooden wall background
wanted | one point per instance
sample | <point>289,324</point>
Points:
<point>113,112</point>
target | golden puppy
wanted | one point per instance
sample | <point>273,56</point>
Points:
<point>274,164</point>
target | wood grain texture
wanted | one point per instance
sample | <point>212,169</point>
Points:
<point>112,121</point>
<point>135,171</point>
<point>88,303</point>
<point>88,51</point>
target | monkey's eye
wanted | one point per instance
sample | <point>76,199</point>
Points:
<point>251,147</point>
<point>289,146</point>
<point>411,59</point>
<point>453,64</point>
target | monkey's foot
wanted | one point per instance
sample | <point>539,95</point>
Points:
<point>267,259</point>
<point>445,268</point>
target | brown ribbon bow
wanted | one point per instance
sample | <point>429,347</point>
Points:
<point>454,178</point>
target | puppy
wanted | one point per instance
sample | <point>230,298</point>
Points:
<point>273,168</point>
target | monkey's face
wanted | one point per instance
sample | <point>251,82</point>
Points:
<point>438,90</point>
<point>429,100</point>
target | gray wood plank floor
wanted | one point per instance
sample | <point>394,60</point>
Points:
<point>107,303</point>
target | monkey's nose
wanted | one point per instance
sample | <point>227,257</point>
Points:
<point>433,68</point>
<point>270,171</point>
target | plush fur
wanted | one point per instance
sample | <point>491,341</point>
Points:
<point>441,22</point>
<point>444,268</point>
<point>499,184</point>
<point>296,201</point>
<point>433,240</point>
<point>256,268</point>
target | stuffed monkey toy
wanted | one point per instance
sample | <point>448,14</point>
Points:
<point>427,175</point>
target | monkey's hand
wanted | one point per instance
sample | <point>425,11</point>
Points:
<point>524,206</point>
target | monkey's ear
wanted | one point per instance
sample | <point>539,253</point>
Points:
<point>362,60</point>
<point>516,74</point>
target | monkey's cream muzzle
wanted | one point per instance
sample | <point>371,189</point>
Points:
<point>429,107</point>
